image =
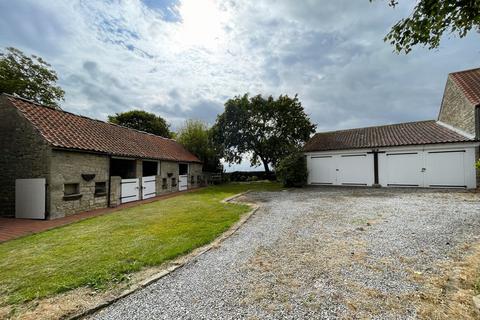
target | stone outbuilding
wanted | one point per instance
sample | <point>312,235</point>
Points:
<point>55,163</point>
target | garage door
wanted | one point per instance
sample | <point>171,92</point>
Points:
<point>354,169</point>
<point>322,170</point>
<point>445,169</point>
<point>423,169</point>
<point>404,169</point>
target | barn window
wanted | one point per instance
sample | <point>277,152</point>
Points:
<point>164,183</point>
<point>100,189</point>
<point>192,179</point>
<point>174,182</point>
<point>71,191</point>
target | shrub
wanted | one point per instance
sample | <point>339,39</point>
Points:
<point>292,170</point>
<point>478,164</point>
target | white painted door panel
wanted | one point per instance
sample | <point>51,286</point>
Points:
<point>354,169</point>
<point>445,169</point>
<point>130,190</point>
<point>30,198</point>
<point>182,182</point>
<point>322,170</point>
<point>148,187</point>
<point>404,169</point>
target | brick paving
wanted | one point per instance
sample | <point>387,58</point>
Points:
<point>11,228</point>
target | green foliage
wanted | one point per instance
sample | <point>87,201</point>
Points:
<point>477,165</point>
<point>143,121</point>
<point>195,136</point>
<point>265,128</point>
<point>430,20</point>
<point>104,250</point>
<point>29,77</point>
<point>292,170</point>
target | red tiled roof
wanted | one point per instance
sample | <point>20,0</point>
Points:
<point>469,82</point>
<point>67,130</point>
<point>402,134</point>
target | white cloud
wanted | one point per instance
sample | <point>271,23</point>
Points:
<point>115,55</point>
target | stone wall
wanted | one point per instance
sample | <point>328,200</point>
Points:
<point>168,170</point>
<point>195,175</point>
<point>456,110</point>
<point>24,155</point>
<point>67,167</point>
<point>139,168</point>
<point>115,191</point>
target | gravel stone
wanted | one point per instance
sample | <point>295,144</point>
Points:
<point>318,253</point>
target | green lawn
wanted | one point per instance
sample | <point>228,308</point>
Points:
<point>102,250</point>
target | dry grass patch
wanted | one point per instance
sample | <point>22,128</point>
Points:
<point>449,295</point>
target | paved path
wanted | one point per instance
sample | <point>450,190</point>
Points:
<point>11,228</point>
<point>319,254</point>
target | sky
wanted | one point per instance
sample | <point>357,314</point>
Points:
<point>182,59</point>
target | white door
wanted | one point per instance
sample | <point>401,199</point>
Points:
<point>445,168</point>
<point>30,198</point>
<point>404,169</point>
<point>182,182</point>
<point>354,169</point>
<point>148,187</point>
<point>321,170</point>
<point>130,190</point>
<point>434,168</point>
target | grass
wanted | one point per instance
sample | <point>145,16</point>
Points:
<point>105,249</point>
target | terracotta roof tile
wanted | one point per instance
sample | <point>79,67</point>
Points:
<point>469,82</point>
<point>402,134</point>
<point>66,130</point>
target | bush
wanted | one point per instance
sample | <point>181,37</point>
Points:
<point>292,170</point>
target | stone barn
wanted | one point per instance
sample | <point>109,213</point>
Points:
<point>55,163</point>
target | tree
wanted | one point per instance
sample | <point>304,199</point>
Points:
<point>143,121</point>
<point>265,128</point>
<point>430,19</point>
<point>29,77</point>
<point>196,137</point>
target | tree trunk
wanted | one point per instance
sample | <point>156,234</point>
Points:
<point>265,165</point>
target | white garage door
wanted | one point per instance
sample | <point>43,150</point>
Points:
<point>354,169</point>
<point>444,169</point>
<point>423,169</point>
<point>322,170</point>
<point>404,169</point>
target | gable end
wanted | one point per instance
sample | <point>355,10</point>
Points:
<point>456,110</point>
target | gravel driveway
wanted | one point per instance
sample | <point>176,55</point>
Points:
<point>319,253</point>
